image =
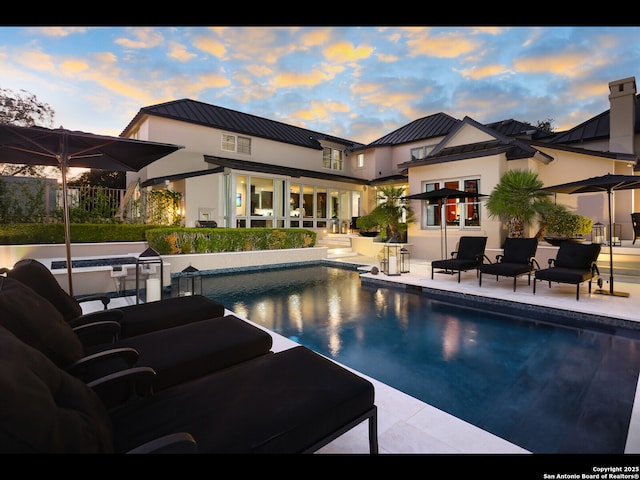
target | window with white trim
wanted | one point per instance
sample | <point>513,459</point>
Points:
<point>421,152</point>
<point>332,158</point>
<point>458,212</point>
<point>360,160</point>
<point>235,143</point>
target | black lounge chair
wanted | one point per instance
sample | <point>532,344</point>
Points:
<point>575,263</point>
<point>294,401</point>
<point>635,223</point>
<point>177,354</point>
<point>133,319</point>
<point>518,259</point>
<point>469,256</point>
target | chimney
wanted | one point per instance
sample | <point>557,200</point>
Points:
<point>622,115</point>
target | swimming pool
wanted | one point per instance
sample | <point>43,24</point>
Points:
<point>546,388</point>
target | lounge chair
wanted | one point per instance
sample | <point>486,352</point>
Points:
<point>177,354</point>
<point>635,223</point>
<point>575,263</point>
<point>517,259</point>
<point>133,319</point>
<point>469,256</point>
<point>294,401</point>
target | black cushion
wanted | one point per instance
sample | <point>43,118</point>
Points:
<point>506,269</point>
<point>519,250</point>
<point>38,277</point>
<point>279,403</point>
<point>45,410</point>
<point>564,275</point>
<point>577,255</point>
<point>190,351</point>
<point>169,312</point>
<point>136,319</point>
<point>469,248</point>
<point>38,323</point>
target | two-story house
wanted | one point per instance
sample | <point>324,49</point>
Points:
<point>244,171</point>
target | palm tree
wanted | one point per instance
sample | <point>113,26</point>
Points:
<point>517,200</point>
<point>393,212</point>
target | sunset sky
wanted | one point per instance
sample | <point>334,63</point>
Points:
<point>358,83</point>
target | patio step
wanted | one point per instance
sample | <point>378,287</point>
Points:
<point>626,265</point>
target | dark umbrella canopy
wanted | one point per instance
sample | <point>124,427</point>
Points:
<point>65,148</point>
<point>605,183</point>
<point>441,195</point>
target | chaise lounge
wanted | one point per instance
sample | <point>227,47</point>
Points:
<point>133,319</point>
<point>294,401</point>
<point>575,263</point>
<point>177,354</point>
<point>518,259</point>
<point>469,256</point>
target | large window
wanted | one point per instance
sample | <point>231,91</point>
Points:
<point>332,158</point>
<point>458,212</point>
<point>234,143</point>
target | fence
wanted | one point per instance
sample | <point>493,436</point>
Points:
<point>86,203</point>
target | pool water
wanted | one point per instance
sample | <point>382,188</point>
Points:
<point>546,388</point>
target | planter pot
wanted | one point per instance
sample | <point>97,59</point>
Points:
<point>556,241</point>
<point>369,234</point>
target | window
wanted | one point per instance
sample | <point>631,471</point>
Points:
<point>360,160</point>
<point>332,158</point>
<point>421,152</point>
<point>459,212</point>
<point>233,143</point>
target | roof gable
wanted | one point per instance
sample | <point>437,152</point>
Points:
<point>433,126</point>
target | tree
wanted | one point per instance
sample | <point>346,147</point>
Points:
<point>393,212</point>
<point>23,109</point>
<point>517,200</point>
<point>546,125</point>
<point>100,178</point>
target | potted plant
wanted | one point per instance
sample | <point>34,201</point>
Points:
<point>368,225</point>
<point>558,223</point>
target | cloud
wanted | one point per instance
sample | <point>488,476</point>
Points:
<point>57,31</point>
<point>142,38</point>
<point>341,52</point>
<point>210,45</point>
<point>484,71</point>
<point>447,45</point>
<point>179,52</point>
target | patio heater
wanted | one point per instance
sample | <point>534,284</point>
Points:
<point>190,282</point>
<point>149,276</point>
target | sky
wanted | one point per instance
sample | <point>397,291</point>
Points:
<point>358,83</point>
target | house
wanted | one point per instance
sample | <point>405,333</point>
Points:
<point>245,171</point>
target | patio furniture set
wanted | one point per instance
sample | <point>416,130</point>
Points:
<point>575,263</point>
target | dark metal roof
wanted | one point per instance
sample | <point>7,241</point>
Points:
<point>179,176</point>
<point>516,129</point>
<point>433,126</point>
<point>200,113</point>
<point>278,170</point>
<point>596,128</point>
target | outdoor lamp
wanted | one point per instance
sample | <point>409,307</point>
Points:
<point>598,233</point>
<point>190,282</point>
<point>391,259</point>
<point>149,276</point>
<point>404,260</point>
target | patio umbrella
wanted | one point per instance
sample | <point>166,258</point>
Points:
<point>442,195</point>
<point>65,148</point>
<point>605,183</point>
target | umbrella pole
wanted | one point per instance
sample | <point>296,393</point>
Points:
<point>64,160</point>
<point>611,291</point>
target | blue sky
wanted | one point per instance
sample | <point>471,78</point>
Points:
<point>358,83</point>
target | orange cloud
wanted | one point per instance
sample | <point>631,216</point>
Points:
<point>477,73</point>
<point>449,45</point>
<point>569,64</point>
<point>346,52</point>
<point>179,52</point>
<point>210,45</point>
<point>143,38</point>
